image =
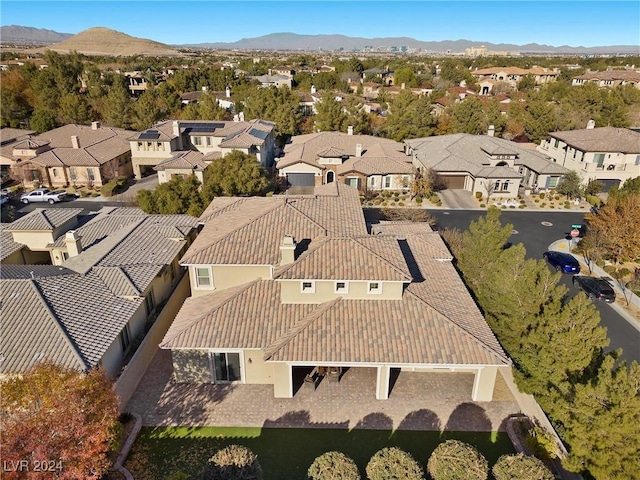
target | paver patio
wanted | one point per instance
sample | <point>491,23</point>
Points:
<point>418,401</point>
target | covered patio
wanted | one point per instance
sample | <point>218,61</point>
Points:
<point>420,401</point>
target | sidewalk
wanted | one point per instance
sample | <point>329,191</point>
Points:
<point>631,313</point>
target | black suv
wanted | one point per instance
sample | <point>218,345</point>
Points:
<point>595,288</point>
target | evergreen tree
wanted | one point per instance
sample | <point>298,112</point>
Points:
<point>42,120</point>
<point>234,174</point>
<point>118,108</point>
<point>179,195</point>
<point>330,116</point>
<point>570,185</point>
<point>147,111</point>
<point>469,117</point>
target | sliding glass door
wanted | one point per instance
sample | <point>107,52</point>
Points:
<point>226,367</point>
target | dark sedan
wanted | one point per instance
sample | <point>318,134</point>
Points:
<point>595,288</point>
<point>563,262</point>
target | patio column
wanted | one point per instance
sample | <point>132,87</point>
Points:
<point>382,382</point>
<point>483,384</point>
<point>282,380</point>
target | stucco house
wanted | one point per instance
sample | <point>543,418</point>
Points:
<point>511,76</point>
<point>71,155</point>
<point>317,294</point>
<point>362,161</point>
<point>609,78</point>
<point>109,277</point>
<point>8,137</point>
<point>484,164</point>
<point>175,147</point>
<point>608,154</point>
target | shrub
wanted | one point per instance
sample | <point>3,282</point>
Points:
<point>434,198</point>
<point>456,460</point>
<point>177,476</point>
<point>514,467</point>
<point>234,462</point>
<point>537,201</point>
<point>593,200</point>
<point>557,197</point>
<point>542,196</point>
<point>113,186</point>
<point>334,465</point>
<point>385,203</point>
<point>543,204</point>
<point>418,200</point>
<point>393,463</point>
<point>521,206</point>
<point>401,204</point>
<point>482,205</point>
<point>84,193</point>
<point>567,206</point>
<point>478,195</point>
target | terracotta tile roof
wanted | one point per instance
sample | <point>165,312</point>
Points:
<point>350,258</point>
<point>10,135</point>
<point>43,219</point>
<point>622,75</point>
<point>190,160</point>
<point>7,244</point>
<point>603,139</point>
<point>400,228</point>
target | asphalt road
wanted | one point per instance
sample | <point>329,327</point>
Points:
<point>536,237</point>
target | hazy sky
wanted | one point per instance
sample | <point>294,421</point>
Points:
<point>573,23</point>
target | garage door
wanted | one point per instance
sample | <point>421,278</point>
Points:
<point>454,182</point>
<point>301,179</point>
<point>608,183</point>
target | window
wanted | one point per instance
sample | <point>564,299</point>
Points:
<point>72,174</point>
<point>90,174</point>
<point>387,181</point>
<point>598,158</point>
<point>35,175</point>
<point>352,181</point>
<point>308,287</point>
<point>159,146</point>
<point>226,367</point>
<point>552,182</point>
<point>149,146</point>
<point>55,172</point>
<point>65,256</point>
<point>197,141</point>
<point>140,146</point>
<point>556,143</point>
<point>341,287</point>
<point>637,159</point>
<point>203,277</point>
<point>375,287</point>
<point>125,338</point>
<point>208,141</point>
<point>505,185</point>
<point>372,181</point>
<point>496,187</point>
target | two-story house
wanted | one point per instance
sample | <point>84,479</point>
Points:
<point>183,147</point>
<point>608,154</point>
<point>609,78</point>
<point>362,161</point>
<point>72,155</point>
<point>108,275</point>
<point>287,286</point>
<point>484,164</point>
<point>488,78</point>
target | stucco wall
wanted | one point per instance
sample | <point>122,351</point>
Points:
<point>256,370</point>
<point>225,276</point>
<point>34,240</point>
<point>191,366</point>
<point>325,290</point>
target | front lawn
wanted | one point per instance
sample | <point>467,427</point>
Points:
<point>286,453</point>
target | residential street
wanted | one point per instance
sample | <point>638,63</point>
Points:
<point>536,238</point>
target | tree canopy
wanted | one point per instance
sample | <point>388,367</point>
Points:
<point>56,414</point>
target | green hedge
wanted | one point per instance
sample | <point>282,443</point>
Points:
<point>113,186</point>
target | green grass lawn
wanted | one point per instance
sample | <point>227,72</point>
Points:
<point>286,453</point>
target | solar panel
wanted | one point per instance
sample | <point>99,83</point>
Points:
<point>202,127</point>
<point>149,135</point>
<point>258,133</point>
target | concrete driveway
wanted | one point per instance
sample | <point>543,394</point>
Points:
<point>457,199</point>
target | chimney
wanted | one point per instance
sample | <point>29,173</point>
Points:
<point>241,116</point>
<point>227,92</point>
<point>350,130</point>
<point>72,241</point>
<point>359,150</point>
<point>95,125</point>
<point>75,142</point>
<point>491,131</point>
<point>176,128</point>
<point>313,89</point>
<point>591,124</point>
<point>287,250</point>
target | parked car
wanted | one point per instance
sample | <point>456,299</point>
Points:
<point>563,262</point>
<point>4,199</point>
<point>595,288</point>
<point>43,195</point>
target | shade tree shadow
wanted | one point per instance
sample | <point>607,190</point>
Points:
<point>375,421</point>
<point>469,417</point>
<point>301,419</point>
<point>423,419</point>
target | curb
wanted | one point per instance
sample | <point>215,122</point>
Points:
<point>127,447</point>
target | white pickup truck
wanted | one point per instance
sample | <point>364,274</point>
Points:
<point>43,195</point>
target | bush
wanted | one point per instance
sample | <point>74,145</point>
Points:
<point>113,186</point>
<point>537,200</point>
<point>593,200</point>
<point>542,196</point>
<point>434,198</point>
<point>84,193</point>
<point>418,200</point>
<point>482,205</point>
<point>385,203</point>
<point>334,465</point>
<point>557,197</point>
<point>515,467</point>
<point>478,195</point>
<point>401,204</point>
<point>456,460</point>
<point>520,206</point>
<point>177,476</point>
<point>234,462</point>
<point>393,463</point>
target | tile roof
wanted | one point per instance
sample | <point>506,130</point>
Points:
<point>350,258</point>
<point>623,75</point>
<point>7,244</point>
<point>30,330</point>
<point>603,139</point>
<point>435,322</point>
<point>463,152</point>
<point>378,155</point>
<point>43,219</point>
<point>190,160</point>
<point>248,230</point>
<point>10,135</point>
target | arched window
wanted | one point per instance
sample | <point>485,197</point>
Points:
<point>505,185</point>
<point>330,176</point>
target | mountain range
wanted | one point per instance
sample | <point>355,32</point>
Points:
<point>100,40</point>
